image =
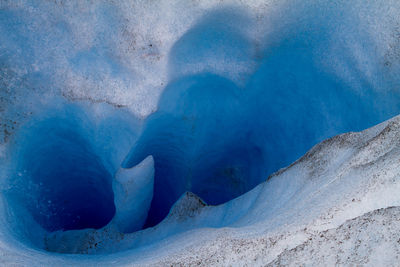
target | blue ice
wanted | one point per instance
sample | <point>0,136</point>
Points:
<point>242,100</point>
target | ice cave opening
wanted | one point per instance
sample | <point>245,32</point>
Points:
<point>59,178</point>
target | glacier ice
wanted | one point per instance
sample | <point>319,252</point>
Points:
<point>138,128</point>
<point>133,193</point>
<point>220,36</point>
<point>199,140</point>
<point>81,196</point>
<point>74,191</point>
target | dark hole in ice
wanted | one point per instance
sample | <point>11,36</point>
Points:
<point>63,182</point>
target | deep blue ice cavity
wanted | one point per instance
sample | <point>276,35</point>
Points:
<point>199,141</point>
<point>59,177</point>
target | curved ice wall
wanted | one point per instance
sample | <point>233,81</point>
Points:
<point>60,167</point>
<point>227,93</point>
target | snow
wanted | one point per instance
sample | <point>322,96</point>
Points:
<point>202,100</point>
<point>350,243</point>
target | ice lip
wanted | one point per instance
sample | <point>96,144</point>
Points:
<point>133,192</point>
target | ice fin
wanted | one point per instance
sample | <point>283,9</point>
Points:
<point>133,193</point>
